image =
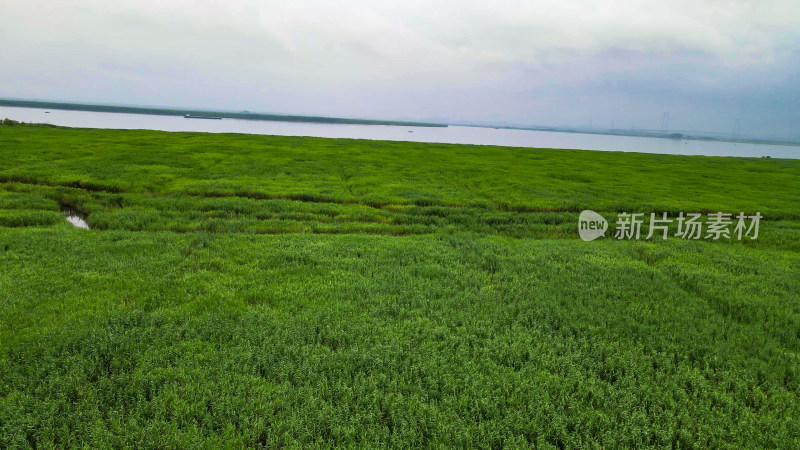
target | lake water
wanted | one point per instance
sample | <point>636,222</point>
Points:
<point>452,134</point>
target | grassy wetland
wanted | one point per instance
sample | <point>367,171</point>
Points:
<point>272,291</point>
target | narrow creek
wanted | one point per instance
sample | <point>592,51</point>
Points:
<point>75,217</point>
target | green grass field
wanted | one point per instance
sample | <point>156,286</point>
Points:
<point>245,291</point>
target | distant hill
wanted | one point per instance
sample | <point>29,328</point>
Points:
<point>228,115</point>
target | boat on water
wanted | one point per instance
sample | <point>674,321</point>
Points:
<point>189,116</point>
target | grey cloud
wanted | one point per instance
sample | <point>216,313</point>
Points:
<point>546,62</point>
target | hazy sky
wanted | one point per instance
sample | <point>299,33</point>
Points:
<point>708,63</point>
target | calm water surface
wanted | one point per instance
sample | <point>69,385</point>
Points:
<point>452,134</point>
<point>75,217</point>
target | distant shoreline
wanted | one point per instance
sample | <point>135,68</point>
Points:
<point>222,114</point>
<point>648,134</point>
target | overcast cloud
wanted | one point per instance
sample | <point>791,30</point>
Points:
<point>707,63</point>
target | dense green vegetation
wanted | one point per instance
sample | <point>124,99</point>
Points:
<point>194,112</point>
<point>280,291</point>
